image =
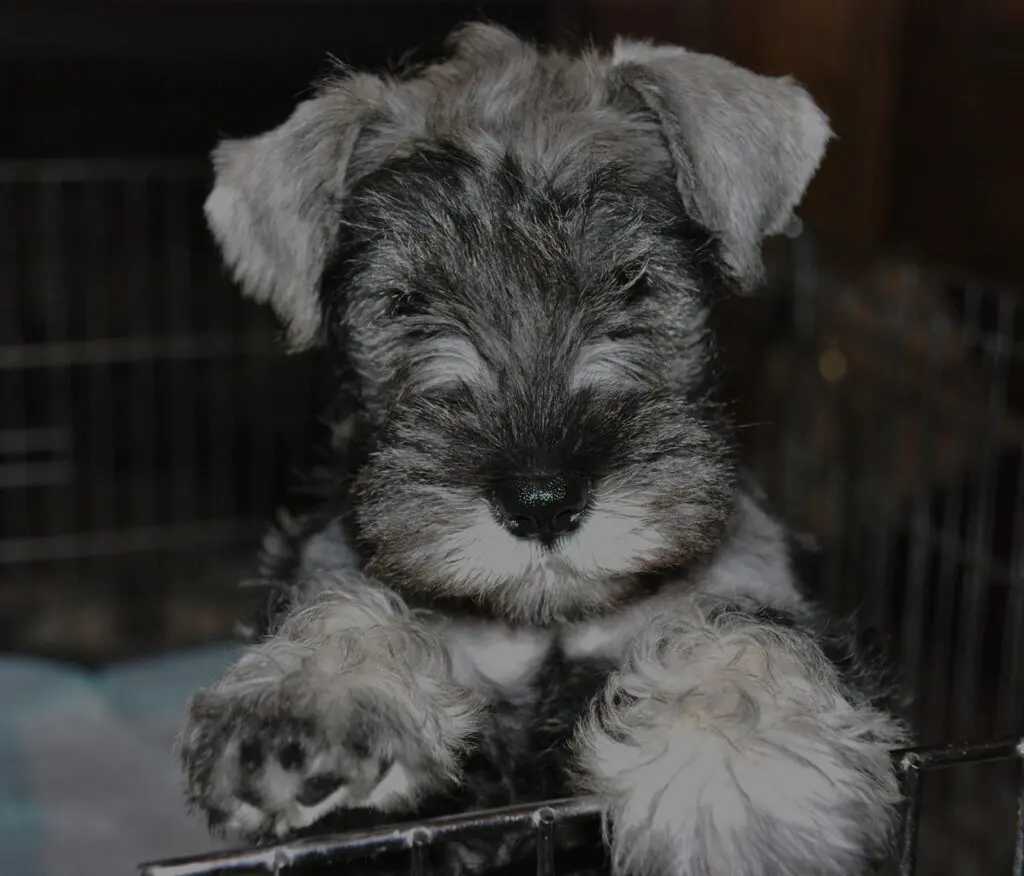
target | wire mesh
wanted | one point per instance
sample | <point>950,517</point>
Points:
<point>137,393</point>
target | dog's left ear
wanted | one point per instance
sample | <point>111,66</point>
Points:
<point>744,146</point>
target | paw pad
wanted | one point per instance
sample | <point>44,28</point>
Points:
<point>316,789</point>
<point>292,756</point>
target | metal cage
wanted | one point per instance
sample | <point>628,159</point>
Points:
<point>137,393</point>
<point>543,819</point>
<point>149,424</point>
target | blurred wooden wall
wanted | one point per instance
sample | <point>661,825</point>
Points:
<point>926,98</point>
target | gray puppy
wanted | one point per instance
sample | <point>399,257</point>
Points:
<point>540,571</point>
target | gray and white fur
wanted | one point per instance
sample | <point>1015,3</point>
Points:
<point>538,569</point>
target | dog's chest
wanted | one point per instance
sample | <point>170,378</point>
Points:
<point>510,660</point>
<point>493,655</point>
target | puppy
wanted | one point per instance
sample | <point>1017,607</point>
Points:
<point>538,570</point>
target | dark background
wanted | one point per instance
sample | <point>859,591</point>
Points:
<point>925,95</point>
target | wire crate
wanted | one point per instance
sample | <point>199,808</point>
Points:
<point>414,840</point>
<point>138,395</point>
<point>149,425</point>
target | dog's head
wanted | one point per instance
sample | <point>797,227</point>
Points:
<point>514,254</point>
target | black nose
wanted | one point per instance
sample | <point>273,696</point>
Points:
<point>542,507</point>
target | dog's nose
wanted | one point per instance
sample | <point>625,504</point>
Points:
<point>542,507</point>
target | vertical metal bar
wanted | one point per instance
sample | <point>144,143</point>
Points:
<point>221,399</point>
<point>1018,850</point>
<point>951,711</point>
<point>104,507</point>
<point>878,557</point>
<point>60,510</point>
<point>139,305</point>
<point>806,284</point>
<point>979,548</point>
<point>793,457</point>
<point>545,842</point>
<point>947,583</point>
<point>144,609</point>
<point>1008,694</point>
<point>952,573</point>
<point>261,428</point>
<point>925,408</point>
<point>921,527</point>
<point>841,510</point>
<point>12,331</point>
<point>418,851</point>
<point>15,300</point>
<point>181,374</point>
<point>1011,686</point>
<point>911,770</point>
<point>880,554</point>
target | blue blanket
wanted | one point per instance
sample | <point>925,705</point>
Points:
<point>88,785</point>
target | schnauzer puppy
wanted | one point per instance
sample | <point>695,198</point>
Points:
<point>540,570</point>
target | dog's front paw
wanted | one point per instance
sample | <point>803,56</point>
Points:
<point>269,755</point>
<point>726,745</point>
<point>260,767</point>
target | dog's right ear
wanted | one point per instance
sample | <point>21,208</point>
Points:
<point>274,205</point>
<point>744,146</point>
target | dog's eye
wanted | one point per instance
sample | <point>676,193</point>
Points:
<point>626,332</point>
<point>632,284</point>
<point>404,303</point>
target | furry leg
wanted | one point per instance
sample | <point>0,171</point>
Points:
<point>349,705</point>
<point>729,745</point>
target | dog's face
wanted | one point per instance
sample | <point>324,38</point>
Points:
<point>515,254</point>
<point>534,355</point>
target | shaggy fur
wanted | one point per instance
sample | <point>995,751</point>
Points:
<point>512,258</point>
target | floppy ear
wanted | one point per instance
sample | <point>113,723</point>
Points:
<point>274,205</point>
<point>744,146</point>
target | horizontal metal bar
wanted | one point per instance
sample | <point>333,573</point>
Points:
<point>959,754</point>
<point>25,475</point>
<point>15,551</point>
<point>115,170</point>
<point>109,351</point>
<point>272,859</point>
<point>17,442</point>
